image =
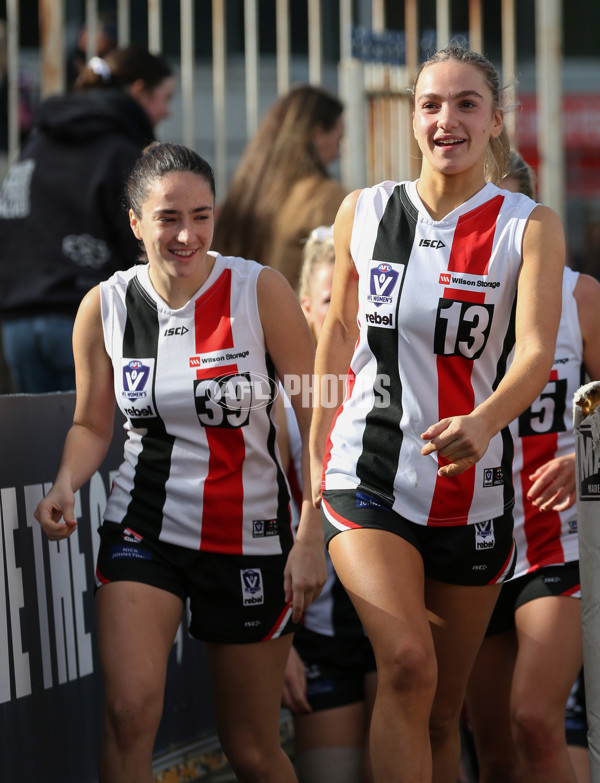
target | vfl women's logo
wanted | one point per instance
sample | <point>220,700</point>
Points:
<point>252,586</point>
<point>384,286</point>
<point>136,375</point>
<point>484,535</point>
<point>382,282</point>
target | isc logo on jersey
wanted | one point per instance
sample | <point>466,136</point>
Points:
<point>137,377</point>
<point>484,535</point>
<point>252,587</point>
<point>384,285</point>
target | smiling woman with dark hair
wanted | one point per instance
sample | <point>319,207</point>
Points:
<point>189,345</point>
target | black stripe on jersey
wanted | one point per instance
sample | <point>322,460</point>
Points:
<point>377,464</point>
<point>507,440</point>
<point>148,495</point>
<point>283,496</point>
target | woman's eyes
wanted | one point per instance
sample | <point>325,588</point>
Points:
<point>430,106</point>
<point>197,218</point>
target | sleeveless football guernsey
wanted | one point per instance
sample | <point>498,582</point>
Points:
<point>545,431</point>
<point>436,318</point>
<point>201,467</point>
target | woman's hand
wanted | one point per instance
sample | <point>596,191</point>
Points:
<point>55,513</point>
<point>460,440</point>
<point>554,484</point>
<point>293,695</point>
<point>305,571</point>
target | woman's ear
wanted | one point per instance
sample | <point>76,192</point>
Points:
<point>137,89</point>
<point>497,123</point>
<point>305,305</point>
<point>135,225</point>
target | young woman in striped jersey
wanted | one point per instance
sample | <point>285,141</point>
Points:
<point>532,653</point>
<point>191,345</point>
<point>435,281</point>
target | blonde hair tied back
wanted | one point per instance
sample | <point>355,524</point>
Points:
<point>317,250</point>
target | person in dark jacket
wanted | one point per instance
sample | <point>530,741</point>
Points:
<point>62,225</point>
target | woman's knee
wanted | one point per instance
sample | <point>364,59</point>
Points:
<point>444,721</point>
<point>408,667</point>
<point>253,761</point>
<point>538,732</point>
<point>133,715</point>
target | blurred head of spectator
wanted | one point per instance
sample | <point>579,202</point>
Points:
<point>520,178</point>
<point>106,39</point>
<point>281,188</point>
<point>146,77</point>
<point>61,210</point>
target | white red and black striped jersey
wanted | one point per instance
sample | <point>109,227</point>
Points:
<point>201,467</point>
<point>436,317</point>
<point>545,431</point>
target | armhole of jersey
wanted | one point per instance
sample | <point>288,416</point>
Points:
<point>106,317</point>
<point>574,325</point>
<point>360,216</point>
<point>252,293</point>
<point>519,232</point>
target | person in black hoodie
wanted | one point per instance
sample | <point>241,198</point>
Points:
<point>63,228</point>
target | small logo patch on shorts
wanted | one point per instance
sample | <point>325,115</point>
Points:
<point>484,535</point>
<point>252,587</point>
<point>264,527</point>
<point>130,535</point>
<point>364,500</point>
<point>493,477</point>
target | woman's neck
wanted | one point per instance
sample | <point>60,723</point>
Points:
<point>441,194</point>
<point>176,292</point>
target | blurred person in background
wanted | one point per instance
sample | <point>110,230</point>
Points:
<point>281,188</point>
<point>106,39</point>
<point>531,656</point>
<point>63,228</point>
<point>25,98</point>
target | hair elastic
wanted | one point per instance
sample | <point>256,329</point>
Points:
<point>100,67</point>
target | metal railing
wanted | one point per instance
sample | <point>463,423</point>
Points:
<point>379,142</point>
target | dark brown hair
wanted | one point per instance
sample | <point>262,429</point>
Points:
<point>157,160</point>
<point>124,66</point>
